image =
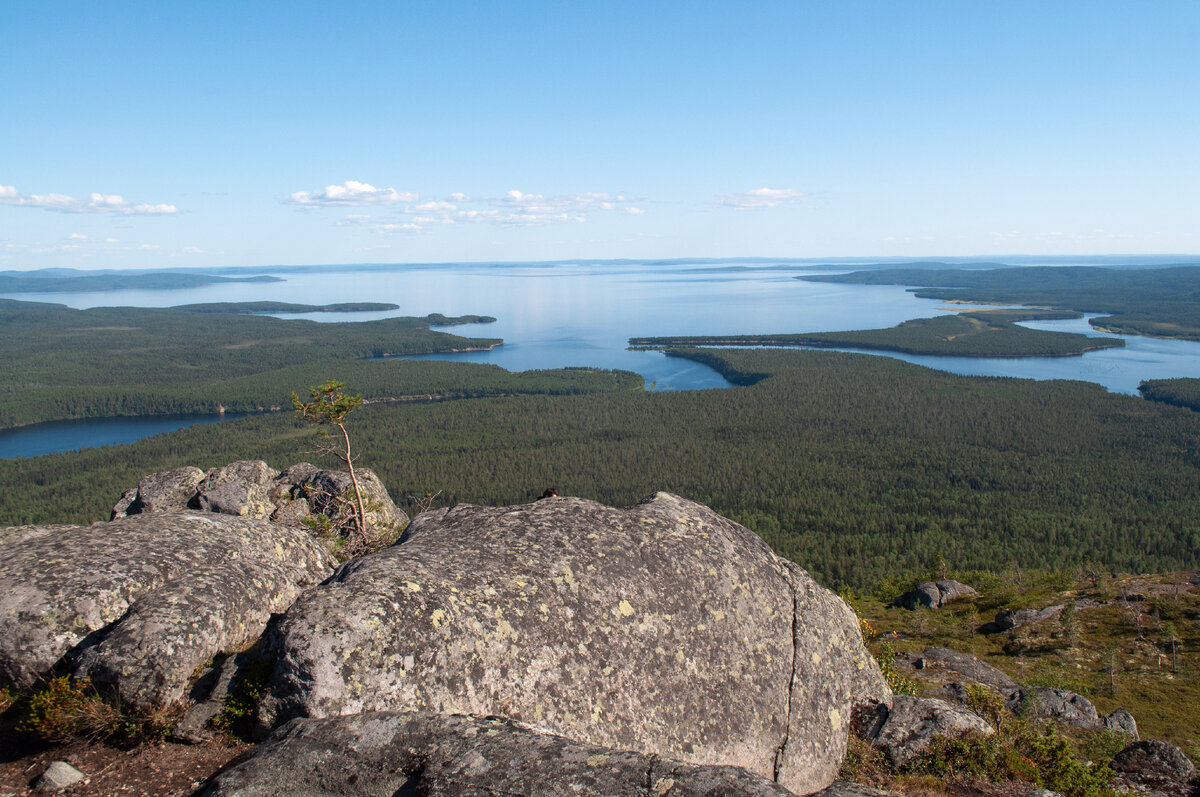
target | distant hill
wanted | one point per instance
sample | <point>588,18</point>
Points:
<point>55,281</point>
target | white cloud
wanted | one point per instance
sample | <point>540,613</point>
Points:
<point>95,203</point>
<point>514,208</point>
<point>759,198</point>
<point>75,236</point>
<point>350,193</point>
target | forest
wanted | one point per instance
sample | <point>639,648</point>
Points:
<point>980,333</point>
<point>1164,302</point>
<point>857,467</point>
<point>58,363</point>
<point>1182,392</point>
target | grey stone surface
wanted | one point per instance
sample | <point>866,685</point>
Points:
<point>239,488</point>
<point>1121,720</point>
<point>1061,705</point>
<point>251,488</point>
<point>661,628</point>
<point>139,603</point>
<point>914,722</point>
<point>1152,763</point>
<point>934,594</point>
<point>384,754</point>
<point>166,491</point>
<point>59,776</point>
<point>844,788</point>
<point>952,663</point>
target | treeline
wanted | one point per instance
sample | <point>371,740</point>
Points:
<point>250,308</point>
<point>1164,302</point>
<point>971,334</point>
<point>1180,392</point>
<point>58,363</point>
<point>856,467</point>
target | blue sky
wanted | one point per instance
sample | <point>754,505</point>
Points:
<point>170,134</point>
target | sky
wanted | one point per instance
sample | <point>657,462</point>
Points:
<point>161,134</point>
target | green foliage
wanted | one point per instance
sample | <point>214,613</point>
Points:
<point>241,707</point>
<point>328,405</point>
<point>66,708</point>
<point>897,681</point>
<point>1033,753</point>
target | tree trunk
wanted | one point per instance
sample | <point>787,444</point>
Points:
<point>360,517</point>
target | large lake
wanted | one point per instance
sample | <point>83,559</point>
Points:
<point>552,316</point>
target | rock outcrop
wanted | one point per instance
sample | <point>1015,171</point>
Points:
<point>662,628</point>
<point>914,722</point>
<point>139,603</point>
<point>251,488</point>
<point>1060,705</point>
<point>1153,764</point>
<point>933,594</point>
<point>954,664</point>
<point>399,753</point>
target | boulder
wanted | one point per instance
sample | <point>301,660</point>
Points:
<point>933,594</point>
<point>952,663</point>
<point>1008,619</point>
<point>251,488</point>
<point>1153,764</point>
<point>139,603</point>
<point>1121,720</point>
<point>325,492</point>
<point>1060,705</point>
<point>662,628</point>
<point>914,722</point>
<point>435,755</point>
<point>845,788</point>
<point>239,488</point>
<point>166,491</point>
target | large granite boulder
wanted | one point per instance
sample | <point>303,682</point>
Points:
<point>1061,705</point>
<point>239,488</point>
<point>914,722</point>
<point>166,491</point>
<point>302,496</point>
<point>1121,720</point>
<point>1153,764</point>
<point>385,754</point>
<point>933,594</point>
<point>662,628</point>
<point>138,604</point>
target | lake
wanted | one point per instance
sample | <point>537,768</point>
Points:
<point>552,316</point>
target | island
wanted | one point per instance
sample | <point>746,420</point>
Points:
<point>264,308</point>
<point>977,333</point>
<point>72,281</point>
<point>1156,301</point>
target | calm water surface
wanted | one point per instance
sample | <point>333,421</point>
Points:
<point>583,315</point>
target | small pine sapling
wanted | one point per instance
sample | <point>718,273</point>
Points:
<point>328,406</point>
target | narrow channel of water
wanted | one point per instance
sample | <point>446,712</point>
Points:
<point>57,436</point>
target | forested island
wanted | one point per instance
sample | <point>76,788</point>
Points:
<point>70,281</point>
<point>857,467</point>
<point>58,363</point>
<point>979,333</point>
<point>252,308</point>
<point>1164,302</point>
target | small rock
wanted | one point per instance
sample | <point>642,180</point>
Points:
<point>58,776</point>
<point>1122,720</point>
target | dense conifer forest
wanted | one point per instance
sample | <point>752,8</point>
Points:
<point>57,362</point>
<point>857,467</point>
<point>982,333</point>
